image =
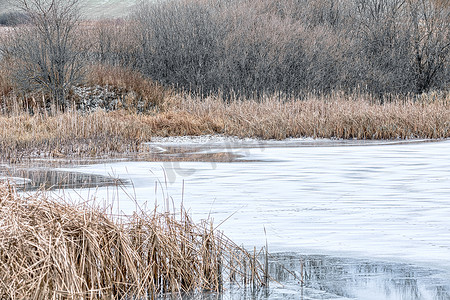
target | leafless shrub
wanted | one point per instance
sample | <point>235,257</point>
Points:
<point>114,42</point>
<point>429,25</point>
<point>405,45</point>
<point>45,51</point>
<point>179,41</point>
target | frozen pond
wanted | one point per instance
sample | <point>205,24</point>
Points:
<point>29,179</point>
<point>345,278</point>
<point>371,202</point>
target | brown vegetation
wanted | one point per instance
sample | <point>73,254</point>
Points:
<point>337,116</point>
<point>131,84</point>
<point>70,134</point>
<point>50,249</point>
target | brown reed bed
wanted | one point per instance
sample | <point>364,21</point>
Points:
<point>338,116</point>
<point>51,249</point>
<point>93,134</point>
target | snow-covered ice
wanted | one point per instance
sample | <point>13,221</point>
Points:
<point>378,210</point>
<point>387,202</point>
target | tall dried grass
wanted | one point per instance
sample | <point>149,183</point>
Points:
<point>70,134</point>
<point>50,249</point>
<point>335,116</point>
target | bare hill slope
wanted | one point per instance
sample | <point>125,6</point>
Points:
<point>107,8</point>
<point>91,9</point>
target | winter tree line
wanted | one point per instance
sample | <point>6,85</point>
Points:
<point>243,47</point>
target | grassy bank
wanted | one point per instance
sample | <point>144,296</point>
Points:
<point>50,249</point>
<point>336,116</point>
<point>119,132</point>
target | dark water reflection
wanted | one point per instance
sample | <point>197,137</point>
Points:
<point>49,179</point>
<point>326,277</point>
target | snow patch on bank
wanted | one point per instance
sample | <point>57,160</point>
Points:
<point>221,140</point>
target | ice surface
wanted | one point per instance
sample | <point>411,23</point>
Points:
<point>14,180</point>
<point>389,202</point>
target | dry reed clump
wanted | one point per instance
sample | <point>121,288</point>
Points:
<point>50,249</point>
<point>70,134</point>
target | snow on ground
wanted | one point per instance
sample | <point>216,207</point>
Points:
<point>224,142</point>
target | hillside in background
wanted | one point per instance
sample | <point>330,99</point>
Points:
<point>91,8</point>
<point>107,8</point>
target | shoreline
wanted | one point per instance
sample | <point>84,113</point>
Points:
<point>178,118</point>
<point>218,140</point>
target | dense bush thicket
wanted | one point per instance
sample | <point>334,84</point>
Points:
<point>287,46</point>
<point>249,47</point>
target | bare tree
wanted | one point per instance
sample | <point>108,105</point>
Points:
<point>45,51</point>
<point>430,33</point>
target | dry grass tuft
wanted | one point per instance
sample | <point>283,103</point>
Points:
<point>54,250</point>
<point>70,134</point>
